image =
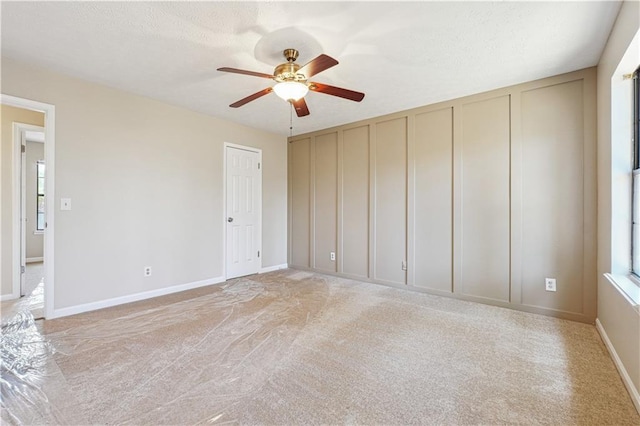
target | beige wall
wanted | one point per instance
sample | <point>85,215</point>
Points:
<point>33,241</point>
<point>145,180</point>
<point>9,116</point>
<point>483,197</point>
<point>619,319</point>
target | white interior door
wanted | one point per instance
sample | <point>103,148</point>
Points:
<point>243,234</point>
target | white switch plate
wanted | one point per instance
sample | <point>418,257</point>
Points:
<point>550,284</point>
<point>65,203</point>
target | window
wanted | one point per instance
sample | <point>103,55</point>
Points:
<point>40,196</point>
<point>635,208</point>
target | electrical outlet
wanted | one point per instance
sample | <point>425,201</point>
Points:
<point>550,284</point>
<point>332,256</point>
<point>147,271</point>
<point>404,265</point>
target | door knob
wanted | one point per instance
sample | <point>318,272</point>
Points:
<point>230,219</point>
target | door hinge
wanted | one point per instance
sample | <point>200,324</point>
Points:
<point>258,166</point>
<point>258,253</point>
<point>22,269</point>
<point>24,148</point>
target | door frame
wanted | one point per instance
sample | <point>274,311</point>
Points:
<point>49,161</point>
<point>258,151</point>
<point>19,222</point>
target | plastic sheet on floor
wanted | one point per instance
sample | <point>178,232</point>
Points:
<point>185,358</point>
<point>25,361</point>
<point>33,303</point>
<point>292,347</point>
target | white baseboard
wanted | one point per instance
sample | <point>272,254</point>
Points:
<point>34,259</point>
<point>633,392</point>
<point>78,309</point>
<point>273,268</point>
<point>5,297</point>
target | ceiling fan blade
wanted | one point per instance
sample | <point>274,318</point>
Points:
<point>301,107</point>
<point>245,72</point>
<point>336,91</point>
<point>317,65</point>
<point>251,97</point>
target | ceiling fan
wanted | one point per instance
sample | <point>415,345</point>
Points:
<point>292,82</point>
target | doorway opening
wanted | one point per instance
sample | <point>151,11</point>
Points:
<point>243,210</point>
<point>26,219</point>
<point>29,140</point>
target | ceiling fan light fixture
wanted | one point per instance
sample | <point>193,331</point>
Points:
<point>292,82</point>
<point>291,90</point>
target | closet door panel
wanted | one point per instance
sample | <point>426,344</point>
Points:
<point>355,202</point>
<point>433,199</point>
<point>485,209</point>
<point>300,197</point>
<point>391,200</point>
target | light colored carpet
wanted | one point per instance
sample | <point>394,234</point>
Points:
<point>34,276</point>
<point>292,347</point>
<point>33,300</point>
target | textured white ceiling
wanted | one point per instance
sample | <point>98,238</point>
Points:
<point>402,55</point>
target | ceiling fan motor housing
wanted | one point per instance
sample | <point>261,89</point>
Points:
<point>289,70</point>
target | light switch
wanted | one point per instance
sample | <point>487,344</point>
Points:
<point>65,203</point>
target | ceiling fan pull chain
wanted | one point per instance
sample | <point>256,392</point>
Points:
<point>291,119</point>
